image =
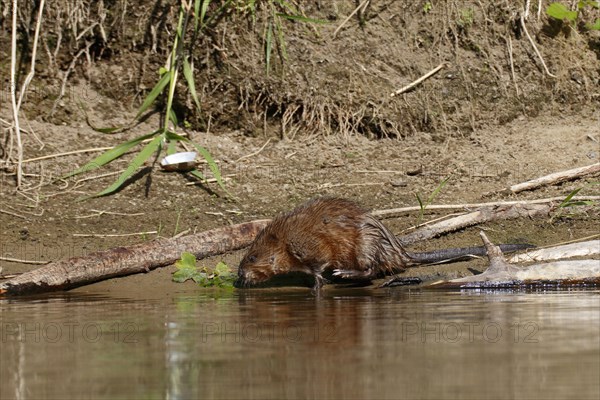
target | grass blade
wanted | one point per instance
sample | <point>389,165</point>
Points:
<point>567,201</point>
<point>197,17</point>
<point>110,155</point>
<point>203,12</point>
<point>188,73</point>
<point>135,164</point>
<point>281,39</point>
<point>437,190</point>
<point>158,88</point>
<point>197,174</point>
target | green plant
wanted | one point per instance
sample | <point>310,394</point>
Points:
<point>220,276</point>
<point>568,202</point>
<point>179,61</point>
<point>427,7</point>
<point>424,204</point>
<point>466,18</point>
<point>561,12</point>
<point>192,17</point>
<point>273,36</point>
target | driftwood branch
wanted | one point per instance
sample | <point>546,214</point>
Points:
<point>394,211</point>
<point>580,249</point>
<point>556,177</point>
<point>121,261</point>
<point>477,217</point>
<point>503,274</point>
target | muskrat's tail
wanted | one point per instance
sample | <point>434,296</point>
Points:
<point>460,253</point>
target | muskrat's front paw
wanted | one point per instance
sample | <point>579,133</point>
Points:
<point>345,273</point>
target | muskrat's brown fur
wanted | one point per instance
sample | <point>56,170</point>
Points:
<point>323,234</point>
<point>330,234</point>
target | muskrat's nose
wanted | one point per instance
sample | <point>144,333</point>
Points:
<point>240,272</point>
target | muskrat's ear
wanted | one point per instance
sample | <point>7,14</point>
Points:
<point>271,237</point>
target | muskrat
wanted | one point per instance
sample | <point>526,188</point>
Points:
<point>336,235</point>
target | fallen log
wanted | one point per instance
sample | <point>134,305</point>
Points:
<point>501,274</point>
<point>121,261</point>
<point>486,214</point>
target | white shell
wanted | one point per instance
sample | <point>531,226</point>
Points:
<point>179,161</point>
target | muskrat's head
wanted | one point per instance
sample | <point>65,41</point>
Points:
<point>266,257</point>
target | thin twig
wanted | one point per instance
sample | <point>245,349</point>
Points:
<point>536,49</point>
<point>527,5</point>
<point>13,94</point>
<point>11,213</point>
<point>556,177</point>
<point>255,153</point>
<point>33,55</point>
<point>357,9</point>
<point>63,86</point>
<point>114,234</point>
<point>17,260</point>
<point>512,63</point>
<point>68,153</point>
<point>100,213</point>
<point>418,81</point>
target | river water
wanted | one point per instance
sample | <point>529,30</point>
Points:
<point>287,344</point>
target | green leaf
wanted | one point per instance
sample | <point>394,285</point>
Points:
<point>158,88</point>
<point>110,155</point>
<point>187,259</point>
<point>203,12</point>
<point>579,203</point>
<point>288,6</point>
<point>420,201</point>
<point>197,174</point>
<point>197,17</point>
<point>281,39</point>
<point>186,268</point>
<point>567,199</point>
<point>173,117</point>
<point>561,12</point>
<point>595,26</point>
<point>214,168</point>
<point>222,269</point>
<point>437,190</point>
<point>188,73</point>
<point>171,149</point>
<point>135,164</point>
<point>588,3</point>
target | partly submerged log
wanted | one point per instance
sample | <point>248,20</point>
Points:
<point>501,274</point>
<point>121,261</point>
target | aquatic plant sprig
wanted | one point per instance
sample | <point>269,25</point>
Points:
<point>220,276</point>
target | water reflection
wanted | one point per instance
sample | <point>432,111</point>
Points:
<point>352,343</point>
